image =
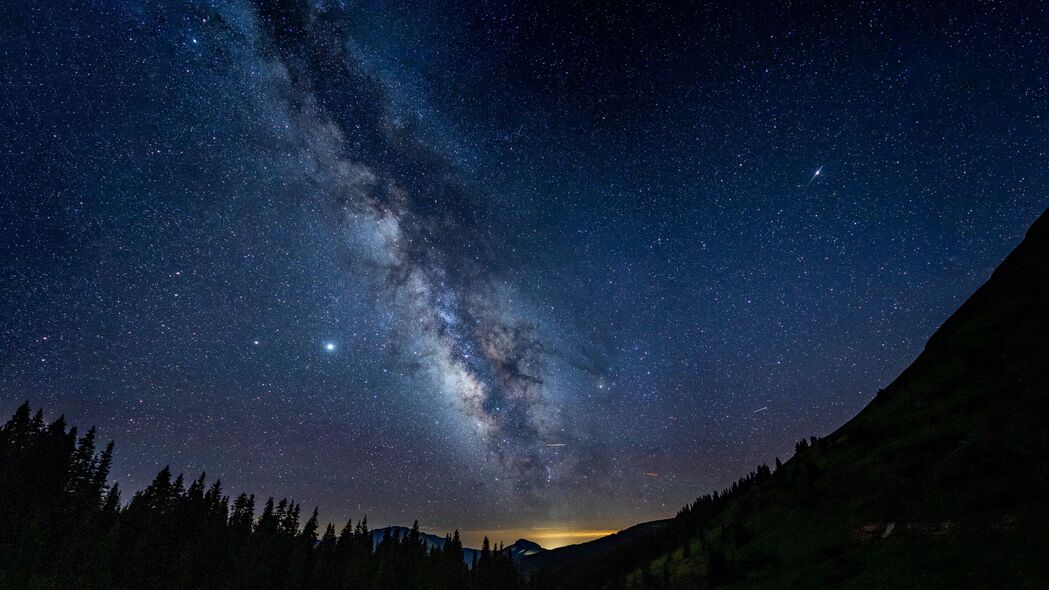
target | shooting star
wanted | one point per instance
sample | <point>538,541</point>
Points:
<point>761,409</point>
<point>817,173</point>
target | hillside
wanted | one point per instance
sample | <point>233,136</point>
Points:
<point>556,559</point>
<point>940,482</point>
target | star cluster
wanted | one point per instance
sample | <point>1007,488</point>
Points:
<point>496,266</point>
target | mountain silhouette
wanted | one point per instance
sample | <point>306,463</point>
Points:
<point>940,482</point>
<point>518,550</point>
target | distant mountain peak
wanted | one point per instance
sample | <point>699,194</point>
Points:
<point>527,543</point>
<point>519,549</point>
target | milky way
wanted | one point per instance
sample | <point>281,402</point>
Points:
<point>459,326</point>
<point>496,265</point>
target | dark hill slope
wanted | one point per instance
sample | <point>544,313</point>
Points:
<point>598,549</point>
<point>942,481</point>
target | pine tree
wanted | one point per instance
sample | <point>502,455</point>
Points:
<point>70,531</point>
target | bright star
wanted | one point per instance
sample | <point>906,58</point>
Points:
<point>329,346</point>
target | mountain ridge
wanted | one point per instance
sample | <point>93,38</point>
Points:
<point>518,550</point>
<point>938,482</point>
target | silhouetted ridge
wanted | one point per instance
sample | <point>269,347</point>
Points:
<point>940,482</point>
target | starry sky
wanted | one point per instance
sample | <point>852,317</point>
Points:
<point>542,269</point>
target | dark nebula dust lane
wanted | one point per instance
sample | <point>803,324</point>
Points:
<point>495,266</point>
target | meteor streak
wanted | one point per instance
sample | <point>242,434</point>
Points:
<point>817,173</point>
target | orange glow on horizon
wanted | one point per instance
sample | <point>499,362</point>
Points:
<point>549,538</point>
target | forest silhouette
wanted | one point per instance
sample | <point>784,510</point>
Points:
<point>63,525</point>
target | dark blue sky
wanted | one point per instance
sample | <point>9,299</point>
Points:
<point>496,267</point>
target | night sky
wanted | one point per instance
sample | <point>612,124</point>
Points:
<point>539,269</point>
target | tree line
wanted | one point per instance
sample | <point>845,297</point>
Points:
<point>629,566</point>
<point>63,525</point>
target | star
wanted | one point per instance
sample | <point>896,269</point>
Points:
<point>688,267</point>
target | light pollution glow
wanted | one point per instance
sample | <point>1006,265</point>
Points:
<point>549,538</point>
